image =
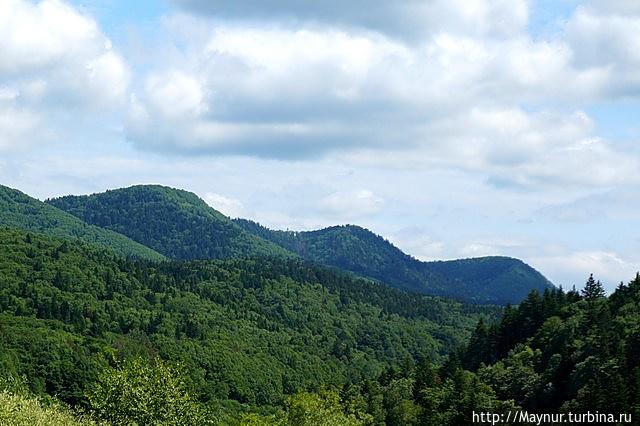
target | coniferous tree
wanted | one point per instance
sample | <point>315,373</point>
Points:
<point>593,290</point>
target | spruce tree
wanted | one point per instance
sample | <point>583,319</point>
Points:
<point>593,289</point>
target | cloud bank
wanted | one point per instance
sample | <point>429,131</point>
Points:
<point>302,80</point>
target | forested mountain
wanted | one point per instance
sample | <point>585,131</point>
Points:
<point>180,225</point>
<point>173,222</point>
<point>18,210</point>
<point>571,354</point>
<point>275,341</point>
<point>246,333</point>
<point>498,280</point>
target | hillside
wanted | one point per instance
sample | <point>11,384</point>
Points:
<point>180,225</point>
<point>246,331</point>
<point>564,352</point>
<point>18,210</point>
<point>173,222</point>
<point>498,280</point>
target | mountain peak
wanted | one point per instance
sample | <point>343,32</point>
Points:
<point>489,279</point>
<point>175,222</point>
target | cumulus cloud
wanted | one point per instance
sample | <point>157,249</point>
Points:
<point>53,59</point>
<point>534,149</point>
<point>300,93</point>
<point>608,38</point>
<point>498,103</point>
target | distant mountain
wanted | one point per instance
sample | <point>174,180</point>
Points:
<point>19,211</point>
<point>173,222</point>
<point>180,225</point>
<point>499,280</point>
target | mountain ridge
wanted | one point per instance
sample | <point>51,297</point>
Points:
<point>180,225</point>
<point>18,210</point>
<point>359,250</point>
<point>174,222</point>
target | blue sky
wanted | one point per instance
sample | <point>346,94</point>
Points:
<point>454,128</point>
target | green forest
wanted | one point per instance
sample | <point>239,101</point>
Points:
<point>18,210</point>
<point>173,222</point>
<point>180,225</point>
<point>247,333</point>
<point>488,280</point>
<point>251,329</point>
<point>89,335</point>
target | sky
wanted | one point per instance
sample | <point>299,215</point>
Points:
<point>454,128</point>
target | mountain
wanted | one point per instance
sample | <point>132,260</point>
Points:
<point>496,280</point>
<point>275,341</point>
<point>18,210</point>
<point>173,222</point>
<point>245,331</point>
<point>180,225</point>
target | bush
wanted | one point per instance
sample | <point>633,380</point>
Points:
<point>144,393</point>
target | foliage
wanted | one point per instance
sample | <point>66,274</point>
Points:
<point>496,280</point>
<point>173,222</point>
<point>250,331</point>
<point>18,210</point>
<point>144,393</point>
<point>278,341</point>
<point>564,351</point>
<point>18,410</point>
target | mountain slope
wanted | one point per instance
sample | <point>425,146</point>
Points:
<point>251,331</point>
<point>18,210</point>
<point>173,222</point>
<point>180,225</point>
<point>498,280</point>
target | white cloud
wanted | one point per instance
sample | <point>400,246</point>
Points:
<point>616,6</point>
<point>351,204</point>
<point>608,266</point>
<point>175,94</point>
<point>608,38</point>
<point>538,149</point>
<point>37,36</point>
<point>54,59</point>
<point>511,148</point>
<point>16,125</point>
<point>409,18</point>
<point>303,92</point>
<point>228,206</point>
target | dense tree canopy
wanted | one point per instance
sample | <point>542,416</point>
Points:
<point>246,331</point>
<point>262,337</point>
<point>495,280</point>
<point>18,210</point>
<point>173,222</point>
